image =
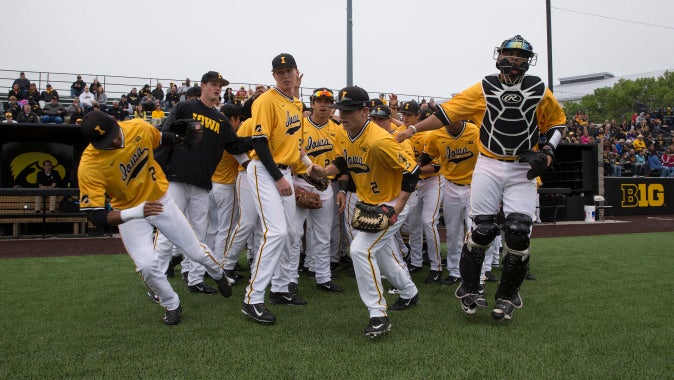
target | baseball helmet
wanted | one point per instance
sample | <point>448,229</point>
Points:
<point>506,63</point>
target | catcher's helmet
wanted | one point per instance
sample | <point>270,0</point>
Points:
<point>506,61</point>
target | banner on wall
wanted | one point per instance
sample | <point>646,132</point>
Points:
<point>639,196</point>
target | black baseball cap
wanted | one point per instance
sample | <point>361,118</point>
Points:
<point>193,91</point>
<point>99,128</point>
<point>231,110</point>
<point>214,76</point>
<point>352,98</point>
<point>376,102</point>
<point>323,93</point>
<point>381,111</point>
<point>411,107</point>
<point>426,112</point>
<point>282,61</point>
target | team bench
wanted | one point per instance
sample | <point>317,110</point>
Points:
<point>20,207</point>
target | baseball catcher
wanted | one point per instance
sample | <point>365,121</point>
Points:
<point>190,132</point>
<point>373,218</point>
<point>307,199</point>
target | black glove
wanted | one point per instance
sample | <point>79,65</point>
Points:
<point>537,160</point>
<point>189,130</point>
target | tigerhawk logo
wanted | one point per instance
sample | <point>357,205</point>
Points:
<point>25,167</point>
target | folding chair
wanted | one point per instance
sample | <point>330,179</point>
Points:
<point>600,204</point>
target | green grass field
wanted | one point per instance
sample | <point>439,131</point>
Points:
<point>601,308</point>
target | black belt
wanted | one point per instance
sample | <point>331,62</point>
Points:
<point>282,167</point>
<point>500,159</point>
<point>458,184</point>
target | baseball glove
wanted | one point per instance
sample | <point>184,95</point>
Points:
<point>189,130</point>
<point>538,162</point>
<point>373,218</point>
<point>307,199</point>
<point>320,183</point>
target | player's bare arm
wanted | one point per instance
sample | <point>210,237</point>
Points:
<point>430,123</point>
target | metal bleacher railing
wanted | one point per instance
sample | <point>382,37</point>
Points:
<point>117,85</point>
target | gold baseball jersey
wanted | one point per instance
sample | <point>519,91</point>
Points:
<point>405,144</point>
<point>417,141</point>
<point>456,154</point>
<point>376,163</point>
<point>226,171</point>
<point>320,142</point>
<point>245,130</point>
<point>515,116</point>
<point>279,119</point>
<point>128,175</point>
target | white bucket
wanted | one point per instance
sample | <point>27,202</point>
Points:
<point>589,213</point>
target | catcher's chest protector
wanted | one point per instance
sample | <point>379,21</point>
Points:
<point>509,126</point>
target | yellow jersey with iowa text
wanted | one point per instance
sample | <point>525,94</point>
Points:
<point>279,119</point>
<point>456,154</point>
<point>376,163</point>
<point>320,142</point>
<point>128,175</point>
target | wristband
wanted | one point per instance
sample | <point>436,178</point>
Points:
<point>412,127</point>
<point>133,213</point>
<point>306,161</point>
<point>241,158</point>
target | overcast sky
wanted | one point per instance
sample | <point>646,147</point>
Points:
<point>433,47</point>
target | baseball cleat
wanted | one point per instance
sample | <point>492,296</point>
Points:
<point>450,280</point>
<point>434,277</point>
<point>232,276</point>
<point>285,299</point>
<point>172,317</point>
<point>259,313</point>
<point>224,286</point>
<point>489,277</point>
<point>393,291</point>
<point>153,297</point>
<point>404,303</point>
<point>201,288</point>
<point>504,308</point>
<point>330,287</point>
<point>293,288</point>
<point>377,326</point>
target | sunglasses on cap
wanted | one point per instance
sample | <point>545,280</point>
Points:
<point>326,93</point>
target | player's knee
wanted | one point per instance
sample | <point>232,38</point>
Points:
<point>516,229</point>
<point>484,232</point>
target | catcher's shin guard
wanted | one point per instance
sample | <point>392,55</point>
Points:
<point>470,266</point>
<point>514,270</point>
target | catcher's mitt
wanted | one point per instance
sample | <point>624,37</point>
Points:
<point>320,183</point>
<point>189,130</point>
<point>372,218</point>
<point>538,162</point>
<point>307,199</point>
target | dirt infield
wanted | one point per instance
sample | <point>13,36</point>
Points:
<point>52,247</point>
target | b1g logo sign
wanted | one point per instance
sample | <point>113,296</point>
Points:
<point>642,195</point>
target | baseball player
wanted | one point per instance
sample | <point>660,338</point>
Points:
<point>512,109</point>
<point>119,163</point>
<point>383,174</point>
<point>423,218</point>
<point>319,138</point>
<point>456,148</point>
<point>223,210</point>
<point>189,171</point>
<point>277,130</point>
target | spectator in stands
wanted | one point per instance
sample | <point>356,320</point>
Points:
<point>13,106</point>
<point>48,178</point>
<point>241,95</point>
<point>668,160</point>
<point>655,163</point>
<point>101,98</point>
<point>614,162</point>
<point>16,92</point>
<point>149,102</point>
<point>193,93</point>
<point>54,111</point>
<point>116,111</point>
<point>139,113</point>
<point>126,106</point>
<point>47,94</point>
<point>585,137</point>
<point>75,111</point>
<point>157,116</point>
<point>172,98</point>
<point>9,118</point>
<point>158,94</point>
<point>23,83</point>
<point>144,91</point>
<point>34,97</point>
<point>182,91</point>
<point>27,115</point>
<point>229,97</point>
<point>95,84</point>
<point>639,143</point>
<point>87,99</point>
<point>639,163</point>
<point>77,87</point>
<point>134,97</point>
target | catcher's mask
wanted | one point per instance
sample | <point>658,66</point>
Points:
<point>517,54</point>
